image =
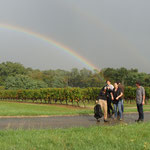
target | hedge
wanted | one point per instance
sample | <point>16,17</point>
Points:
<point>67,95</point>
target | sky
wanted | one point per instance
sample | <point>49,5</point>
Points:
<point>107,33</point>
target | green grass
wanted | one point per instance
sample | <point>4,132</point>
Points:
<point>119,137</point>
<point>27,109</point>
<point>134,109</point>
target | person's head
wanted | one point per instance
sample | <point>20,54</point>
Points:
<point>97,101</point>
<point>104,89</point>
<point>108,82</point>
<point>118,82</point>
<point>115,85</point>
<point>138,84</point>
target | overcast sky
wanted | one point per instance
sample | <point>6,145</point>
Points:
<point>108,33</point>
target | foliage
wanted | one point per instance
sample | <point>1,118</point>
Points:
<point>127,77</point>
<point>10,69</point>
<point>63,94</point>
<point>53,78</point>
<point>23,82</point>
<point>83,78</point>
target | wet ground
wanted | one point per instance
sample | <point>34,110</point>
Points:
<point>63,121</point>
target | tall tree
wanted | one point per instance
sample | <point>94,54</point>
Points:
<point>23,82</point>
<point>10,69</point>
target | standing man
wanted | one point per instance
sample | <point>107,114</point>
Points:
<point>103,102</point>
<point>140,101</point>
<point>110,88</point>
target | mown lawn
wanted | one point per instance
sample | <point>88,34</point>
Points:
<point>119,137</point>
<point>29,109</point>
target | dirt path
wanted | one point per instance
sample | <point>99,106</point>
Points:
<point>62,121</point>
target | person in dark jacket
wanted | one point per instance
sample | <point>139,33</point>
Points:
<point>122,89</point>
<point>117,100</point>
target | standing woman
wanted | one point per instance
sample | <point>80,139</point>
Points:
<point>117,100</point>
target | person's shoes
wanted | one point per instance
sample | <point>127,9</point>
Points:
<point>120,119</point>
<point>98,120</point>
<point>139,120</point>
<point>112,117</point>
<point>105,120</point>
<point>109,116</point>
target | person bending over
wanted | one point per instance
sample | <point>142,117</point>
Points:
<point>103,102</point>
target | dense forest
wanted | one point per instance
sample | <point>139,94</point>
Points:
<point>16,76</point>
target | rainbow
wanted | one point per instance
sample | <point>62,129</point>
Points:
<point>72,52</point>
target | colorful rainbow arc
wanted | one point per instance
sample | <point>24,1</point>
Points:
<point>53,42</point>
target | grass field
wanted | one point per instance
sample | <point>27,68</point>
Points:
<point>119,137</point>
<point>29,109</point>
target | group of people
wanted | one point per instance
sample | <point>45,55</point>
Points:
<point>110,94</point>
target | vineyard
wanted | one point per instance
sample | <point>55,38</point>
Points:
<point>73,96</point>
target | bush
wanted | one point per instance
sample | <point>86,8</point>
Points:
<point>63,94</point>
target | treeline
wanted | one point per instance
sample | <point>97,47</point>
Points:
<point>127,77</point>
<point>16,76</point>
<point>63,95</point>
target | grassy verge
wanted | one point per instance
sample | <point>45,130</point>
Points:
<point>120,137</point>
<point>134,109</point>
<point>29,109</point>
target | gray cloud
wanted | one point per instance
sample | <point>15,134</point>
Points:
<point>108,33</point>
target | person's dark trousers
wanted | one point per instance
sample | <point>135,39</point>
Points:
<point>140,111</point>
<point>109,106</point>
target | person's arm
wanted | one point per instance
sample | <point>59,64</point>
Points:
<point>112,97</point>
<point>143,102</point>
<point>119,96</point>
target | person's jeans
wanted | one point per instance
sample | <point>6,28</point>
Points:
<point>122,107</point>
<point>119,105</point>
<point>140,111</point>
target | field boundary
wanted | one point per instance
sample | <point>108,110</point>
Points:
<point>48,116</point>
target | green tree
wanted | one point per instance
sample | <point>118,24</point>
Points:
<point>60,79</point>
<point>23,82</point>
<point>10,69</point>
